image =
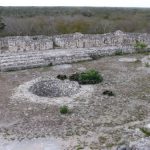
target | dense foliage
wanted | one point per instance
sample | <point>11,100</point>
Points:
<point>2,25</point>
<point>62,20</point>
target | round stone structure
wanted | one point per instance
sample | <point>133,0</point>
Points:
<point>55,88</point>
<point>50,90</point>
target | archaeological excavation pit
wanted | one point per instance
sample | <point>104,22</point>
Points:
<point>54,88</point>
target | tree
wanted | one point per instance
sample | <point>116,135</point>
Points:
<point>2,25</point>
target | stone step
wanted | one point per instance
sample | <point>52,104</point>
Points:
<point>28,65</point>
<point>26,60</point>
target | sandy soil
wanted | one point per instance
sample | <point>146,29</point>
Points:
<point>96,121</point>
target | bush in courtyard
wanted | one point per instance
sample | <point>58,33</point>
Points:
<point>2,25</point>
<point>88,77</point>
<point>118,52</point>
<point>64,109</point>
<point>147,65</point>
<point>140,46</point>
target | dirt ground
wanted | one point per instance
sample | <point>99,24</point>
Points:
<point>95,122</point>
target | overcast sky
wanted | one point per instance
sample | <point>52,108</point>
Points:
<point>97,3</point>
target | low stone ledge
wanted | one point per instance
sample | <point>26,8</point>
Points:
<point>28,60</point>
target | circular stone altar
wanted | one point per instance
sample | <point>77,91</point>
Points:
<point>55,88</point>
<point>51,90</point>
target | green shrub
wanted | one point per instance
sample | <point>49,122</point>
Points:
<point>147,133</point>
<point>147,65</point>
<point>2,25</point>
<point>88,77</point>
<point>140,46</point>
<point>118,52</point>
<point>64,109</point>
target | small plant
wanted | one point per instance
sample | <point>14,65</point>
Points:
<point>88,77</point>
<point>147,65</point>
<point>2,25</point>
<point>64,109</point>
<point>147,133</point>
<point>119,52</point>
<point>140,46</point>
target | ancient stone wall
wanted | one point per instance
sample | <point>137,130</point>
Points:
<point>28,52</point>
<point>67,41</point>
<point>25,43</point>
<point>117,38</point>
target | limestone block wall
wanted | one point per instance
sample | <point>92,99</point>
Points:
<point>25,43</point>
<point>117,38</point>
<point>70,41</point>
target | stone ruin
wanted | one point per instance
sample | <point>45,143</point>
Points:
<point>23,52</point>
<point>54,88</point>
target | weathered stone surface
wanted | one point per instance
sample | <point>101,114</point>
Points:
<point>23,52</point>
<point>123,147</point>
<point>76,40</point>
<point>143,144</point>
<point>62,67</point>
<point>25,44</point>
<point>18,61</point>
<point>127,59</point>
<point>117,38</point>
<point>146,60</point>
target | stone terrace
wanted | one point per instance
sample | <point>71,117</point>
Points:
<point>28,52</point>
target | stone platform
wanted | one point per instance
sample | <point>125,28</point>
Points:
<point>21,60</point>
<point>23,52</point>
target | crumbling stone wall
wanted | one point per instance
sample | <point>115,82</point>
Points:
<point>67,41</point>
<point>25,43</point>
<point>29,52</point>
<point>117,38</point>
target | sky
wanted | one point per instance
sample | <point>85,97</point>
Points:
<point>95,3</point>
